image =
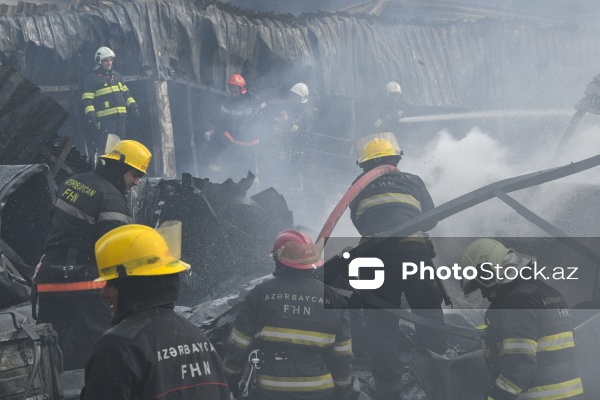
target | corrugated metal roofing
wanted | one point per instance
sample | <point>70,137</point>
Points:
<point>463,64</point>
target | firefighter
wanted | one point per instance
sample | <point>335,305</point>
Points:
<point>305,349</point>
<point>301,116</point>
<point>289,140</point>
<point>88,206</point>
<point>388,202</point>
<point>106,100</point>
<point>394,110</point>
<point>528,338</point>
<point>235,131</point>
<point>150,352</point>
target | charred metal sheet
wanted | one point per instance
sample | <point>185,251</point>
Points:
<point>30,362</point>
<point>226,236</point>
<point>28,118</point>
<point>27,193</point>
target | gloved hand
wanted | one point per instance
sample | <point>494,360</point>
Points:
<point>135,111</point>
<point>92,121</point>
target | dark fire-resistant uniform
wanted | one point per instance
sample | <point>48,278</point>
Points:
<point>288,144</point>
<point>529,345</point>
<point>105,94</point>
<point>237,133</point>
<point>88,206</point>
<point>154,354</point>
<point>306,349</point>
<point>389,119</point>
<point>388,202</point>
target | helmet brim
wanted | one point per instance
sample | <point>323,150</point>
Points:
<point>165,269</point>
<point>298,265</point>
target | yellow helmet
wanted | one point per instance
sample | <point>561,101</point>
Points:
<point>484,251</point>
<point>132,153</point>
<point>377,148</point>
<point>141,250</point>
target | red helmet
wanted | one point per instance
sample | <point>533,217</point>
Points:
<point>296,250</point>
<point>238,80</point>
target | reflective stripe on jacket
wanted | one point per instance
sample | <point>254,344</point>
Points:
<point>529,345</point>
<point>87,207</point>
<point>287,315</point>
<point>105,94</point>
<point>388,202</point>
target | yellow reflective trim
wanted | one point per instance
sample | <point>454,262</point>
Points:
<point>386,198</point>
<point>240,340</point>
<point>518,346</point>
<point>114,216</point>
<point>481,327</point>
<point>557,391</point>
<point>111,111</point>
<point>343,348</point>
<point>87,96</point>
<point>107,90</point>
<point>215,167</point>
<point>505,384</point>
<point>347,381</point>
<point>295,384</point>
<point>296,336</point>
<point>74,211</point>
<point>129,101</point>
<point>230,370</point>
<point>555,342</point>
<point>89,109</point>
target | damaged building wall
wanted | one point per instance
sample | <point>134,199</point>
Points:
<point>437,64</point>
<point>346,60</point>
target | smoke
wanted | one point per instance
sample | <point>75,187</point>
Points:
<point>452,165</point>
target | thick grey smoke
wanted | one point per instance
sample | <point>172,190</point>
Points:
<point>452,166</point>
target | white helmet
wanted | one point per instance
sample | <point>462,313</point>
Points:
<point>393,87</point>
<point>102,53</point>
<point>301,90</point>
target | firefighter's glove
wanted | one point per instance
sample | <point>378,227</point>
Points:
<point>135,112</point>
<point>495,393</point>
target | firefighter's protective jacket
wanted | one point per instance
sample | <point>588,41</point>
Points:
<point>285,317</point>
<point>388,120</point>
<point>88,206</point>
<point>105,94</point>
<point>388,202</point>
<point>240,118</point>
<point>300,119</point>
<point>154,354</point>
<point>529,345</point>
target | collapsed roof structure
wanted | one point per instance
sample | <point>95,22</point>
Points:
<point>471,61</point>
